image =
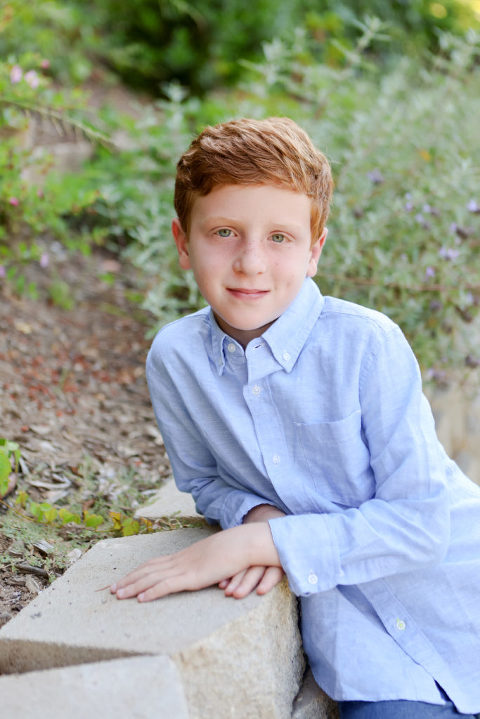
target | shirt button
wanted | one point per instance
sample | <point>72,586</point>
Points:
<point>286,356</point>
<point>312,578</point>
<point>256,389</point>
<point>276,459</point>
<point>231,347</point>
<point>400,624</point>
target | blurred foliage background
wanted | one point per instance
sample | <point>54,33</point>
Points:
<point>390,90</point>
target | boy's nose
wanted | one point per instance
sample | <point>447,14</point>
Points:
<point>250,259</point>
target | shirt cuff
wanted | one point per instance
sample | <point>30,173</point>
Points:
<point>308,552</point>
<point>237,505</point>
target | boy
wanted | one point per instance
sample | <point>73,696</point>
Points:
<point>298,423</point>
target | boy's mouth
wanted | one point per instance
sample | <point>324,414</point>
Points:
<point>243,293</point>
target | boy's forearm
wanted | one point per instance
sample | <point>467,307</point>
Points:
<point>262,513</point>
<point>258,544</point>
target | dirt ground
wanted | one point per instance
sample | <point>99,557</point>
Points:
<point>73,389</point>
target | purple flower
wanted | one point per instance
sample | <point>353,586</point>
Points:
<point>437,375</point>
<point>474,207</point>
<point>376,176</point>
<point>44,260</point>
<point>16,74</point>
<point>2,271</point>
<point>408,206</point>
<point>429,210</point>
<point>448,253</point>
<point>31,78</point>
<point>429,272</point>
<point>422,221</point>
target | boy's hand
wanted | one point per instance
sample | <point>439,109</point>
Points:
<point>261,578</point>
<point>207,562</point>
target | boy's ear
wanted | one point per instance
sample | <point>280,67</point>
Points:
<point>181,242</point>
<point>316,251</point>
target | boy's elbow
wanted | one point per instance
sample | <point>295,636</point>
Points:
<point>435,540</point>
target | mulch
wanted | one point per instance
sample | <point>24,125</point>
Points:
<point>72,385</point>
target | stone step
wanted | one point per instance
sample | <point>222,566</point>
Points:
<point>140,687</point>
<point>312,703</point>
<point>168,501</point>
<point>235,659</point>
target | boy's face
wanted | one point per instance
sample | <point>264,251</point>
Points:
<point>250,249</point>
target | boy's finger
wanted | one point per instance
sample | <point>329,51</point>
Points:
<point>272,577</point>
<point>168,585</point>
<point>154,565</point>
<point>248,582</point>
<point>234,582</point>
<point>140,584</point>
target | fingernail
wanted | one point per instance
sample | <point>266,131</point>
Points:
<point>113,588</point>
<point>141,597</point>
<point>120,593</point>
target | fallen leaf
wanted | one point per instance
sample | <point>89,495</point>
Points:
<point>74,556</point>
<point>44,547</point>
<point>23,327</point>
<point>41,429</point>
<point>33,585</point>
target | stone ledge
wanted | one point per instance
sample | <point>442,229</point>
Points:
<point>236,659</point>
<point>168,501</point>
<point>119,689</point>
<point>312,703</point>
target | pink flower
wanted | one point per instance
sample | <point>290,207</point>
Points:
<point>40,193</point>
<point>2,271</point>
<point>45,64</point>
<point>44,260</point>
<point>14,201</point>
<point>32,78</point>
<point>16,74</point>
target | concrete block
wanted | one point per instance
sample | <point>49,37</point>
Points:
<point>236,659</point>
<point>312,703</point>
<point>138,688</point>
<point>167,501</point>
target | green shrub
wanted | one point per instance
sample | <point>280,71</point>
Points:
<point>405,224</point>
<point>149,43</point>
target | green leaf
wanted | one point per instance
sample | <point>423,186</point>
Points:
<point>50,515</point>
<point>5,466</point>
<point>66,516</point>
<point>93,520</point>
<point>130,526</point>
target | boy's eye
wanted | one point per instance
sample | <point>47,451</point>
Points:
<point>224,232</point>
<point>278,237</point>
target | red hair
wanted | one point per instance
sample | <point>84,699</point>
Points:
<point>274,151</point>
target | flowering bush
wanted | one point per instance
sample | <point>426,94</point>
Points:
<point>405,223</point>
<point>32,199</point>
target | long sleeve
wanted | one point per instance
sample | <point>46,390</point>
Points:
<point>184,427</point>
<point>405,524</point>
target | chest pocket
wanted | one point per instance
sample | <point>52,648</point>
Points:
<point>337,459</point>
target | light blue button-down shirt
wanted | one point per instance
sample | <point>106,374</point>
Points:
<point>324,417</point>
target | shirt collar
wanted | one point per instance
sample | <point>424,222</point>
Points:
<point>286,336</point>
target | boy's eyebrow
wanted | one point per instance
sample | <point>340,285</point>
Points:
<point>214,220</point>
